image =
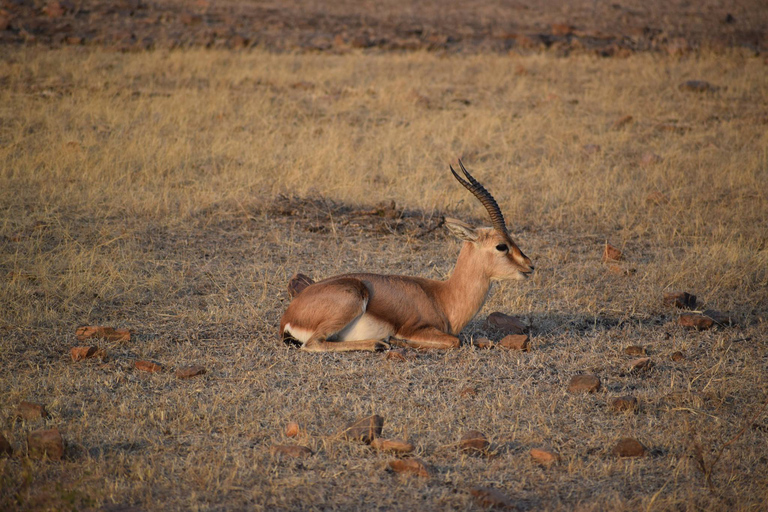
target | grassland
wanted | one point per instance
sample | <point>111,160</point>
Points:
<point>174,193</point>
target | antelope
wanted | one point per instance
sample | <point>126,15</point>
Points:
<point>364,311</point>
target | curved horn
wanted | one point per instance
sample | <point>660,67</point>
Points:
<point>485,197</point>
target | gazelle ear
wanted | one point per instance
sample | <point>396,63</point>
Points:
<point>461,229</point>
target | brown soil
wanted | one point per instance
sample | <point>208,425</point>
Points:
<point>610,29</point>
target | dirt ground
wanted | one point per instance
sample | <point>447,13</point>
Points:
<point>607,28</point>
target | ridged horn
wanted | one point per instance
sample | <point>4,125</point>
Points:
<point>485,197</point>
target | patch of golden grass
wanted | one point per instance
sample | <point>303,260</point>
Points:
<point>136,192</point>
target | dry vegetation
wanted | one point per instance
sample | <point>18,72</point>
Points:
<point>174,193</point>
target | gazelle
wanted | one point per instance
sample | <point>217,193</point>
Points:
<point>363,311</point>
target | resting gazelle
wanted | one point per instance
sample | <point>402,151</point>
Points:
<point>363,311</point>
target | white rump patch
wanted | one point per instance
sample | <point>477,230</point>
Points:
<point>302,335</point>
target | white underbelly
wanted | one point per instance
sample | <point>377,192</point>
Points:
<point>365,327</point>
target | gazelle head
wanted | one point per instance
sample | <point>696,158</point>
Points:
<point>492,248</point>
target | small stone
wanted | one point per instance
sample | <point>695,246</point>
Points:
<point>148,366</point>
<point>397,354</point>
<point>487,497</point>
<point>545,457</point>
<point>515,342</point>
<point>391,445</point>
<point>290,450</point>
<point>677,356</point>
<point>585,383</point>
<point>411,466</point>
<point>622,122</point>
<point>697,86</point>
<point>561,29</point>
<point>292,429</point>
<point>45,442</point>
<point>624,403</point>
<point>695,321</point>
<point>682,300</point>
<point>87,332</point>
<point>650,158</point>
<point>610,253</point>
<point>643,363</point>
<point>629,447</point>
<point>187,372</point>
<point>468,391</point>
<point>718,317</point>
<point>473,441</point>
<point>635,350</point>
<point>297,284</point>
<point>591,149</point>
<point>505,323</point>
<point>31,411</point>
<point>54,9</point>
<point>482,343</point>
<point>5,446</point>
<point>364,430</point>
<point>80,353</point>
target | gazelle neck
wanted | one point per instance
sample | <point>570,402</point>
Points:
<point>463,294</point>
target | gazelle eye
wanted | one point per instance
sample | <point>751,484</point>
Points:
<point>502,248</point>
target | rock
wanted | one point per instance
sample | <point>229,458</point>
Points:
<point>643,363</point>
<point>290,450</point>
<point>87,332</point>
<point>622,122</point>
<point>80,353</point>
<point>482,343</point>
<point>585,383</point>
<point>591,149</point>
<point>697,86</point>
<point>298,282</point>
<point>682,300</point>
<point>187,372</point>
<point>695,321</point>
<point>292,429</point>
<point>148,366</point>
<point>411,466</point>
<point>544,457</point>
<point>364,430</point>
<point>391,445</point>
<point>624,403</point>
<point>473,441</point>
<point>718,317</point>
<point>505,323</point>
<point>650,158</point>
<point>5,19</point>
<point>468,391</point>
<point>5,446</point>
<point>610,253</point>
<point>515,342</point>
<point>45,442</point>
<point>629,447</point>
<point>677,356</point>
<point>397,354</point>
<point>635,350</point>
<point>561,29</point>
<point>487,497</point>
<point>54,9</point>
<point>31,411</point>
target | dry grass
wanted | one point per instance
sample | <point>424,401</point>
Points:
<point>141,191</point>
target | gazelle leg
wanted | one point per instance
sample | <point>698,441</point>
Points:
<point>431,338</point>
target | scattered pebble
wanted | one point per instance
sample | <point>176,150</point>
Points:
<point>482,343</point>
<point>290,450</point>
<point>544,457</point>
<point>148,366</point>
<point>88,332</point>
<point>31,411</point>
<point>678,356</point>
<point>297,284</point>
<point>585,383</point>
<point>515,342</point>
<point>643,363</point>
<point>695,321</point>
<point>506,323</point>
<point>718,317</point>
<point>629,447</point>
<point>624,403</point>
<point>187,372</point>
<point>635,350</point>
<point>682,300</point>
<point>5,446</point>
<point>411,466</point>
<point>391,445</point>
<point>80,353</point>
<point>468,391</point>
<point>488,497</point>
<point>561,29</point>
<point>45,442</point>
<point>292,429</point>
<point>473,441</point>
<point>610,253</point>
<point>364,430</point>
